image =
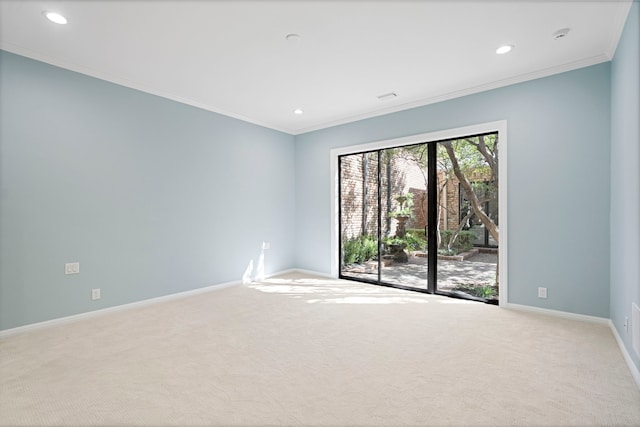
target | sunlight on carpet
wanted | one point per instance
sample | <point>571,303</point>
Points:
<point>302,350</point>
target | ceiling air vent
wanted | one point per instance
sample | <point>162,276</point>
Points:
<point>387,96</point>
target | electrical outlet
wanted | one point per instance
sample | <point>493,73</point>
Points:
<point>626,324</point>
<point>72,268</point>
<point>95,294</point>
<point>266,245</point>
<point>542,292</point>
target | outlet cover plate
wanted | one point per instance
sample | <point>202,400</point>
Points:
<point>95,294</point>
<point>542,292</point>
<point>72,268</point>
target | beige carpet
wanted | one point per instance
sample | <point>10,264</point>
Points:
<point>298,350</point>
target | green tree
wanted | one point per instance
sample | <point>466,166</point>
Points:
<point>485,156</point>
<point>473,162</point>
<point>465,162</point>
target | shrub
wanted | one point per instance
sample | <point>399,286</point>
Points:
<point>448,252</point>
<point>445,235</point>
<point>359,249</point>
<point>415,242</point>
<point>463,242</point>
<point>412,241</point>
<point>417,232</point>
<point>465,239</point>
<point>482,290</point>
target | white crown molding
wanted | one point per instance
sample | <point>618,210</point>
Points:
<point>119,80</point>
<point>458,94</point>
<point>618,28</point>
<point>39,56</point>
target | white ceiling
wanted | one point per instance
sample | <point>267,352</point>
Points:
<point>232,57</point>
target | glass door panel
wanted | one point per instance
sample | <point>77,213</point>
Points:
<point>359,216</point>
<point>423,217</point>
<point>468,217</point>
<point>404,196</point>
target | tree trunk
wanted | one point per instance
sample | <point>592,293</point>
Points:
<point>462,223</point>
<point>439,215</point>
<point>473,199</point>
<point>490,158</point>
<point>455,235</point>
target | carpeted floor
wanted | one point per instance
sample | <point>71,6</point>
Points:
<point>298,350</point>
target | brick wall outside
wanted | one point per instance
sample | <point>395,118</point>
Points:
<point>359,179</point>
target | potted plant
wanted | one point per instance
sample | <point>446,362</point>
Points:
<point>397,248</point>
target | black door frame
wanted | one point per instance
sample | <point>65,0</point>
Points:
<point>432,217</point>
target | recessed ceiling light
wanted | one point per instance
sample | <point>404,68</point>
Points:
<point>504,49</point>
<point>298,111</point>
<point>55,17</point>
<point>292,37</point>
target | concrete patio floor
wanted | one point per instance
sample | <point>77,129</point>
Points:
<point>479,269</point>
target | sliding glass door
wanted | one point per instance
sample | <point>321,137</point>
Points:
<point>360,207</point>
<point>422,217</point>
<point>404,261</point>
<point>468,187</point>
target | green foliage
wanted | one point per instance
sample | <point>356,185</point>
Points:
<point>485,189</point>
<point>419,232</point>
<point>445,235</point>
<point>360,249</point>
<point>404,206</point>
<point>469,157</point>
<point>464,242</point>
<point>415,242</point>
<point>478,290</point>
<point>412,241</point>
<point>388,241</point>
<point>465,239</point>
<point>448,252</point>
<point>487,291</point>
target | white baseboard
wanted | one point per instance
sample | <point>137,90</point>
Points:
<point>635,373</point>
<point>557,313</point>
<point>279,273</point>
<point>76,317</point>
<point>137,304</point>
<point>299,271</point>
<point>312,273</point>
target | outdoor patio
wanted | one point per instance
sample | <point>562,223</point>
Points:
<point>476,270</point>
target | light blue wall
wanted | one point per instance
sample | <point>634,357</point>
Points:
<point>625,177</point>
<point>151,196</point>
<point>558,172</point>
